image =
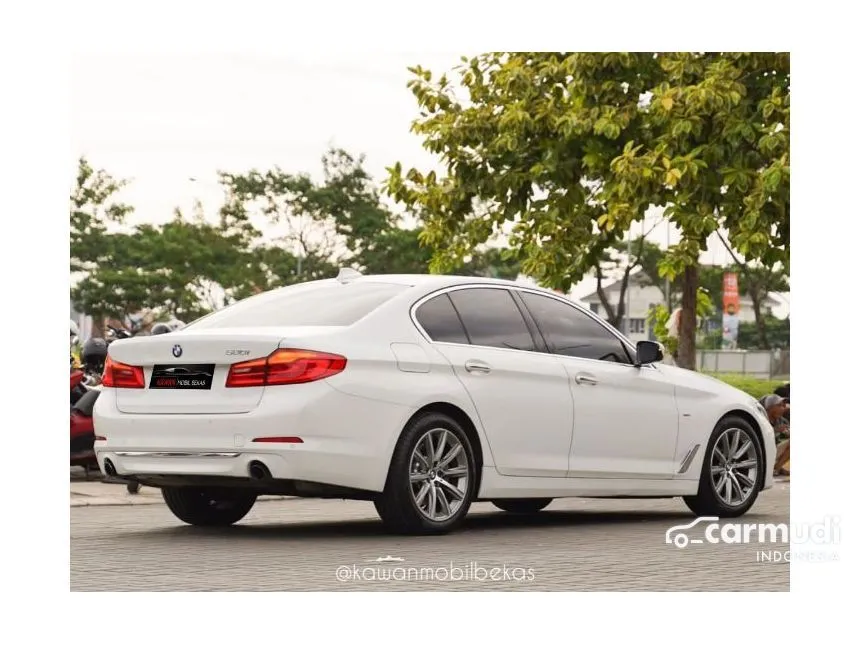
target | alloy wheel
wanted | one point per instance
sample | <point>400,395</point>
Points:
<point>439,474</point>
<point>734,466</point>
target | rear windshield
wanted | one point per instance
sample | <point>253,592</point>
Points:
<point>326,303</point>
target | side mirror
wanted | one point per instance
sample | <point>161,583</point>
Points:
<point>647,351</point>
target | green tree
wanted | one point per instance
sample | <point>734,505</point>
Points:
<point>101,286</point>
<point>94,206</point>
<point>568,150</point>
<point>778,333</point>
<point>200,266</point>
<point>339,221</point>
<point>183,268</point>
<point>716,154</point>
<point>658,319</point>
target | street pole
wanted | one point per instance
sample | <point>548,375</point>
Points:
<point>629,260</point>
<point>668,287</point>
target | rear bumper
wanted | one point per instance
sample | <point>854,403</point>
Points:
<point>346,440</point>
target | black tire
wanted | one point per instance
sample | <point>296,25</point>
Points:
<point>707,502</point>
<point>523,506</point>
<point>207,506</point>
<point>396,505</point>
<point>133,488</point>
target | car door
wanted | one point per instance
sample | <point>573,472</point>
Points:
<point>521,395</point>
<point>625,418</point>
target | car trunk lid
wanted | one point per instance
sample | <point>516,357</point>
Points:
<point>186,372</point>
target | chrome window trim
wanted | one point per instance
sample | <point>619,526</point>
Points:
<point>479,285</point>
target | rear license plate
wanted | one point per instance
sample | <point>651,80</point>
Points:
<point>182,377</point>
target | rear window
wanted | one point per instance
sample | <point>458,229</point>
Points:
<point>327,303</point>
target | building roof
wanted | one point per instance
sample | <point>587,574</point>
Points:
<point>638,276</point>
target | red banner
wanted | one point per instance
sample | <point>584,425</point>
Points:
<point>731,296</point>
<point>731,306</point>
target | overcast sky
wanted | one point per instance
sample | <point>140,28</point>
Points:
<point>162,120</point>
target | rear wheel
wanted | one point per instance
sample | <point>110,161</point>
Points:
<point>431,480</point>
<point>523,506</point>
<point>208,506</point>
<point>732,471</point>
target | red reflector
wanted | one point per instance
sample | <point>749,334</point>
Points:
<point>285,367</point>
<point>278,440</point>
<point>98,438</point>
<point>122,375</point>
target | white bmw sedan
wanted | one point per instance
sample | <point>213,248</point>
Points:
<point>421,394</point>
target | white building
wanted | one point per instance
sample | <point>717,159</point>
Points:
<point>644,295</point>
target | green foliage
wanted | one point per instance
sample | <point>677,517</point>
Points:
<point>188,266</point>
<point>184,268</point>
<point>568,150</point>
<point>339,221</point>
<point>658,317</point>
<point>93,207</point>
<point>756,388</point>
<point>345,212</point>
<point>778,334</point>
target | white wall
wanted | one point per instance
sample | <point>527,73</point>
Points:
<point>641,300</point>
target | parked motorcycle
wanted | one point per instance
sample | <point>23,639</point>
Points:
<point>78,386</point>
<point>116,333</point>
<point>82,435</point>
<point>85,384</point>
<point>83,398</point>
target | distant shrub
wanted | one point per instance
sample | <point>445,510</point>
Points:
<point>755,387</point>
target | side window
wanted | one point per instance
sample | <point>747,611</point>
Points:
<point>570,332</point>
<point>492,318</point>
<point>440,321</point>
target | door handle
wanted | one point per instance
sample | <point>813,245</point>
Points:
<point>586,379</point>
<point>477,367</point>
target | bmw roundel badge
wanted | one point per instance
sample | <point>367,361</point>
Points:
<point>177,351</point>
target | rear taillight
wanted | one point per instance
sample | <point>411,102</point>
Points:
<point>122,375</point>
<point>285,367</point>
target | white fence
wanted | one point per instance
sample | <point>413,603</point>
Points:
<point>758,363</point>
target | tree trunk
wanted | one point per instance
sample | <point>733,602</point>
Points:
<point>687,328</point>
<point>761,325</point>
<point>98,330</point>
<point>612,315</point>
<point>622,303</point>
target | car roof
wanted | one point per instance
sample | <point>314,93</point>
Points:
<point>433,280</point>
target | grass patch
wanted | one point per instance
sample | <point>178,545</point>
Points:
<point>755,387</point>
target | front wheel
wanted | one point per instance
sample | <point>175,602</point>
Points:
<point>524,506</point>
<point>732,471</point>
<point>208,507</point>
<point>432,477</point>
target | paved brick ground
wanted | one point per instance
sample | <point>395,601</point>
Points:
<point>304,545</point>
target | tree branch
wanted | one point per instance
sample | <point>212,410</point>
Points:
<point>731,251</point>
<point>601,293</point>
